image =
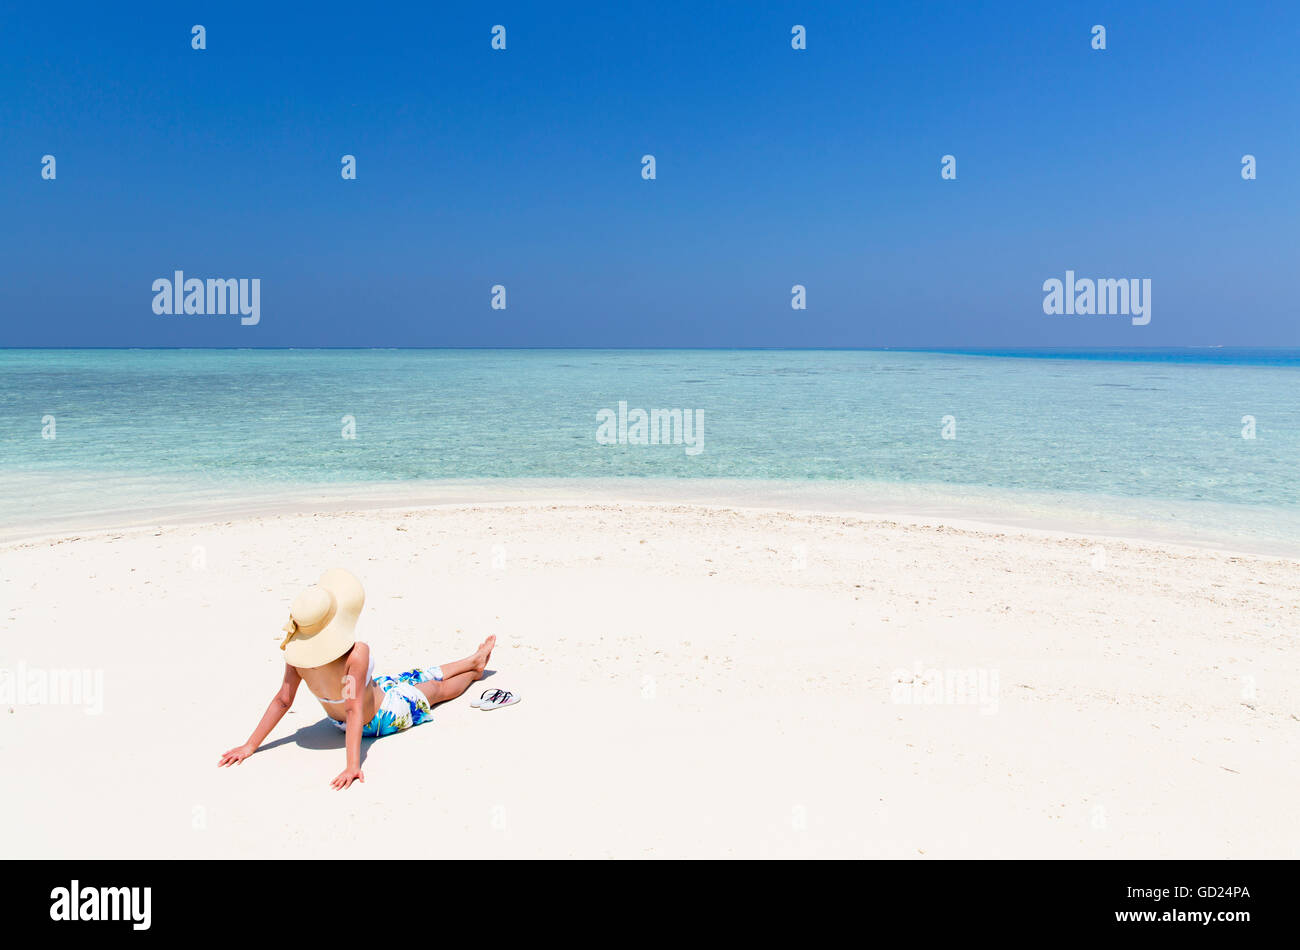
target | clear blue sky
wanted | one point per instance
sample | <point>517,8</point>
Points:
<point>775,167</point>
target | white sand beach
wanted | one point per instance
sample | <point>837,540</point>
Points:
<point>697,681</point>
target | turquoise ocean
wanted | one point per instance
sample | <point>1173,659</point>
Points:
<point>1089,437</point>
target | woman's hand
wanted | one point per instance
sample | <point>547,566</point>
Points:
<point>346,778</point>
<point>236,755</point>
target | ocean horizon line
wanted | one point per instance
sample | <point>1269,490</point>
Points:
<point>1238,355</point>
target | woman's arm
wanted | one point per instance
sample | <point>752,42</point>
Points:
<point>354,706</point>
<point>280,704</point>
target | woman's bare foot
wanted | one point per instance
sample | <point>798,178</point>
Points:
<point>475,663</point>
<point>480,657</point>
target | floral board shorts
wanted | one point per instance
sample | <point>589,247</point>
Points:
<point>404,706</point>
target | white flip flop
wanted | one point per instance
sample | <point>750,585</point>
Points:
<point>497,699</point>
<point>476,703</point>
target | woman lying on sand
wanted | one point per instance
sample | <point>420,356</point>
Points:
<point>321,649</point>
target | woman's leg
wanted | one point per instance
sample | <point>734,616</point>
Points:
<point>475,662</point>
<point>458,675</point>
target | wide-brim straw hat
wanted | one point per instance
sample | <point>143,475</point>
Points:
<point>323,620</point>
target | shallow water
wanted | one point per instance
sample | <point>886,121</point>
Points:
<point>176,429</point>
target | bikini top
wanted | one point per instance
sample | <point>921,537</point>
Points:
<point>370,674</point>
